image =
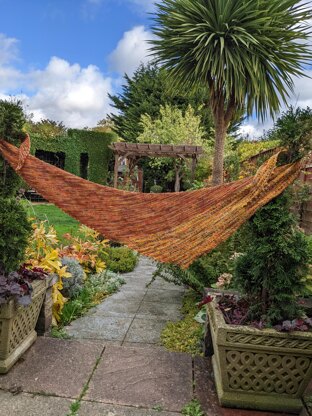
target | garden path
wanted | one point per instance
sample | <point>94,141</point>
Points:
<point>136,314</point>
<point>114,367</point>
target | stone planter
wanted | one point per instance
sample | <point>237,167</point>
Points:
<point>259,369</point>
<point>17,326</point>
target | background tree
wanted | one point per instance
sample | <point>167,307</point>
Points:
<point>172,126</point>
<point>144,93</point>
<point>46,128</point>
<point>245,51</point>
<point>294,129</point>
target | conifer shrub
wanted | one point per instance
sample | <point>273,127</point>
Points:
<point>14,232</point>
<point>271,271</point>
<point>14,226</point>
<point>12,120</point>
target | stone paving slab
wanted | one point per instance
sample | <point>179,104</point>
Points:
<point>117,307</point>
<point>143,345</point>
<point>146,330</point>
<point>127,293</point>
<point>137,283</point>
<point>161,310</point>
<point>54,366</point>
<point>170,296</point>
<point>24,404</point>
<point>112,328</point>
<point>101,409</point>
<point>163,285</point>
<point>142,377</point>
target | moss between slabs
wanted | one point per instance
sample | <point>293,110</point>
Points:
<point>185,335</point>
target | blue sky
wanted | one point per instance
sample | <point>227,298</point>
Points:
<point>62,57</point>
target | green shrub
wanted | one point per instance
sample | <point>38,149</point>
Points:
<point>271,271</point>
<point>14,233</point>
<point>12,120</point>
<point>156,189</point>
<point>121,259</point>
<point>14,227</point>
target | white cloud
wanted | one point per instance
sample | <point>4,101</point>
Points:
<point>8,49</point>
<point>61,91</point>
<point>77,96</point>
<point>131,50</point>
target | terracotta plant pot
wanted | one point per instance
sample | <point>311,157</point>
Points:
<point>17,326</point>
<point>259,369</point>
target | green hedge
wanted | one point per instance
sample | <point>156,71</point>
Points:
<point>94,143</point>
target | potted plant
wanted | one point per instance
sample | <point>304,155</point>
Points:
<point>17,283</point>
<point>262,340</point>
<point>21,296</point>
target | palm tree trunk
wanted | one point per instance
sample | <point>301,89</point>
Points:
<point>218,158</point>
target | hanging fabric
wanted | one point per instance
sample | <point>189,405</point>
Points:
<point>170,227</point>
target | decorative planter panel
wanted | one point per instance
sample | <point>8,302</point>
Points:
<point>259,369</point>
<point>17,326</point>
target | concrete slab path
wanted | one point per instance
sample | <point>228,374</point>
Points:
<point>113,365</point>
<point>134,315</point>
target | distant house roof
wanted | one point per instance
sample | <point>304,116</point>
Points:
<point>155,150</point>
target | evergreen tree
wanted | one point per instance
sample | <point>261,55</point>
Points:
<point>14,227</point>
<point>270,272</point>
<point>144,93</point>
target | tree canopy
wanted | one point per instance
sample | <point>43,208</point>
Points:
<point>247,52</point>
<point>46,128</point>
<point>172,126</point>
<point>148,90</point>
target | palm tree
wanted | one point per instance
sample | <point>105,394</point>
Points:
<point>246,51</point>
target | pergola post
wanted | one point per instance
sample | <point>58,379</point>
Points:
<point>116,170</point>
<point>194,163</point>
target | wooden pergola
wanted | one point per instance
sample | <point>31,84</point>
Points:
<point>133,152</point>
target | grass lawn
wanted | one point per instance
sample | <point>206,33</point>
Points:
<point>62,222</point>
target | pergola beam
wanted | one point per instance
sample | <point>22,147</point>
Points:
<point>134,151</point>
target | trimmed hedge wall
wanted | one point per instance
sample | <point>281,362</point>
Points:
<point>94,143</point>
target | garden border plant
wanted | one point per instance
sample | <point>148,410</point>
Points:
<point>22,291</point>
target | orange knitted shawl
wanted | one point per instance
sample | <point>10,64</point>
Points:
<point>172,227</point>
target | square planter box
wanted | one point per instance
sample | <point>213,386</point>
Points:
<point>259,369</point>
<point>17,326</point>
